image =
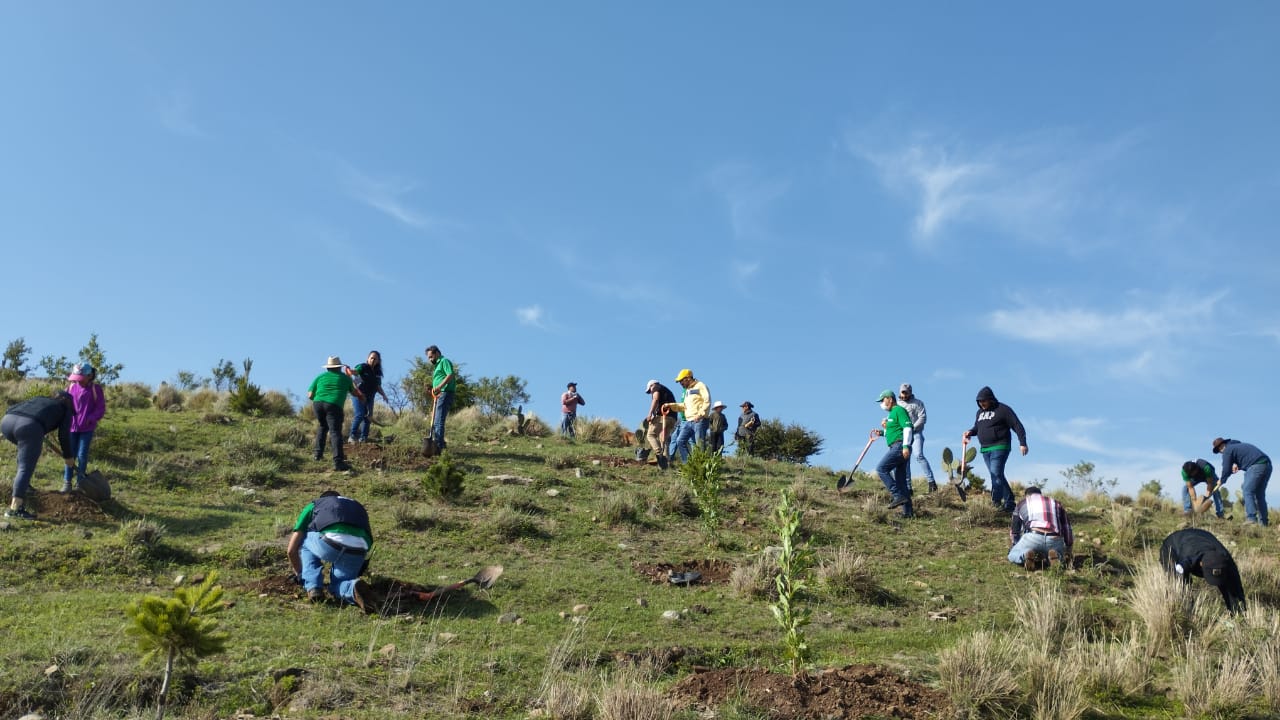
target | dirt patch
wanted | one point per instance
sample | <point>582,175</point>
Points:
<point>390,595</point>
<point>713,571</point>
<point>612,461</point>
<point>400,457</point>
<point>71,507</point>
<point>855,691</point>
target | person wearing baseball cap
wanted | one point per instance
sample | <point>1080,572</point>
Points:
<point>696,407</point>
<point>1192,551</point>
<point>915,410</point>
<point>659,423</point>
<point>1256,467</point>
<point>896,430</point>
<point>569,402</point>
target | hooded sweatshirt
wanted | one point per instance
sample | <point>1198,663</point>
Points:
<point>992,426</point>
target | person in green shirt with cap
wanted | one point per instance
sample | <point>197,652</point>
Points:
<point>896,429</point>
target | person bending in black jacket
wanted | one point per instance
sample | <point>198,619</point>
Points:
<point>1193,551</point>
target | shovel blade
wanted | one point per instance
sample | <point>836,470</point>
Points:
<point>843,482</point>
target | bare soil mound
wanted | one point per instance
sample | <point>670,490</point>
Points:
<point>399,457</point>
<point>612,460</point>
<point>855,691</point>
<point>70,507</point>
<point>390,596</point>
<point>713,571</point>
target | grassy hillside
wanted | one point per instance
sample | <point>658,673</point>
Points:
<point>575,627</point>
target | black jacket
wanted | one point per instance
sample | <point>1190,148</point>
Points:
<point>992,426</point>
<point>1193,551</point>
<point>51,413</point>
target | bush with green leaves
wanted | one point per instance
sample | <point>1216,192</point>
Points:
<point>179,629</point>
<point>444,479</point>
<point>498,397</point>
<point>1081,480</point>
<point>12,366</point>
<point>246,398</point>
<point>702,471</point>
<point>789,443</point>
<point>417,386</point>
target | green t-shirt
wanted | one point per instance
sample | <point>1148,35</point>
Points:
<point>443,369</point>
<point>898,419</point>
<point>331,386</point>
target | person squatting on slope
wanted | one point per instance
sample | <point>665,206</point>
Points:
<point>569,402</point>
<point>660,423</point>
<point>332,530</point>
<point>444,383</point>
<point>328,394</point>
<point>1192,551</point>
<point>1040,532</point>
<point>896,429</point>
<point>696,407</point>
<point>25,425</point>
<point>1256,467</point>
<point>748,423</point>
<point>367,378</point>
<point>86,394</point>
<point>992,424</point>
<point>717,424</point>
<point>915,410</point>
<point>1195,472</point>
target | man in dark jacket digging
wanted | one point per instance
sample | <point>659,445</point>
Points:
<point>1193,551</point>
<point>992,425</point>
<point>25,425</point>
<point>332,530</point>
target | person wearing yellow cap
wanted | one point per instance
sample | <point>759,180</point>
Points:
<point>696,406</point>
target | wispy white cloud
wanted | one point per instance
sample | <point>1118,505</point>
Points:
<point>1144,339</point>
<point>748,197</point>
<point>531,316</point>
<point>744,271</point>
<point>1079,433</point>
<point>174,109</point>
<point>1032,188</point>
<point>387,195</point>
<point>338,247</point>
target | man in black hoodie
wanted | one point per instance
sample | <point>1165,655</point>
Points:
<point>992,425</point>
<point>1193,551</point>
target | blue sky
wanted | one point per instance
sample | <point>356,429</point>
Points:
<point>804,203</point>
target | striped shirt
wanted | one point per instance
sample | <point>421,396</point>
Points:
<point>1041,514</point>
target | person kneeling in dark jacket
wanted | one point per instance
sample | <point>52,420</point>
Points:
<point>1193,551</point>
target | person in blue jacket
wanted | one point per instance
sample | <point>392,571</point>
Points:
<point>1256,467</point>
<point>992,425</point>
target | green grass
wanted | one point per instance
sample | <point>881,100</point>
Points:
<point>223,493</point>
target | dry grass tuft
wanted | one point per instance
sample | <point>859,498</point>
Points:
<point>628,695</point>
<point>1057,692</point>
<point>1209,684</point>
<point>755,579</point>
<point>978,675</point>
<point>602,431</point>
<point>559,694</point>
<point>618,507</point>
<point>167,398</point>
<point>1128,525</point>
<point>979,512</point>
<point>1260,575</point>
<point>1047,618</point>
<point>1165,606</point>
<point>847,573</point>
<point>1119,665</point>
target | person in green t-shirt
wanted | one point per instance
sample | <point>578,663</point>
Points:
<point>896,429</point>
<point>333,530</point>
<point>328,393</point>
<point>444,381</point>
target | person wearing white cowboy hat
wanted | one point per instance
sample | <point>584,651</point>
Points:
<point>90,405</point>
<point>328,393</point>
<point>716,427</point>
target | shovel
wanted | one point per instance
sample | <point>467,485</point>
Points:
<point>429,442</point>
<point>1207,502</point>
<point>483,579</point>
<point>845,481</point>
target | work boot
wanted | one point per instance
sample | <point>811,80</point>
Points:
<point>66,487</point>
<point>341,465</point>
<point>898,501</point>
<point>315,595</point>
<point>662,462</point>
<point>1054,559</point>
<point>21,513</point>
<point>1031,561</point>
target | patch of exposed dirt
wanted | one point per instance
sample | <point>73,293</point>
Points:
<point>401,457</point>
<point>71,507</point>
<point>713,571</point>
<point>613,460</point>
<point>855,691</point>
<point>390,595</point>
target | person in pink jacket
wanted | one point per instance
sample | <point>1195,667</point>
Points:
<point>90,404</point>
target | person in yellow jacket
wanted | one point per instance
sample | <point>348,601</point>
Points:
<point>696,406</point>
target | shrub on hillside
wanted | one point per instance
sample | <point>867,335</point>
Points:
<point>601,431</point>
<point>203,400</point>
<point>444,479</point>
<point>131,395</point>
<point>167,398</point>
<point>276,404</point>
<point>790,443</point>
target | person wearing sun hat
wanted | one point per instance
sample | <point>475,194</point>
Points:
<point>716,426</point>
<point>90,404</point>
<point>1192,551</point>
<point>896,429</point>
<point>748,423</point>
<point>1256,467</point>
<point>328,395</point>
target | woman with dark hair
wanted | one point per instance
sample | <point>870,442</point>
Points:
<point>25,425</point>
<point>367,377</point>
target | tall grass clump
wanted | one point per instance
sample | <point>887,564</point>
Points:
<point>1163,605</point>
<point>617,507</point>
<point>1212,684</point>
<point>1128,525</point>
<point>755,579</point>
<point>628,695</point>
<point>794,562</point>
<point>167,398</point>
<point>1057,692</point>
<point>601,431</point>
<point>204,400</point>
<point>979,675</point>
<point>1047,617</point>
<point>558,693</point>
<point>847,573</point>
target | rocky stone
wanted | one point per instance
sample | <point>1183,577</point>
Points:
<point>581,608</point>
<point>388,650</point>
<point>510,617</point>
<point>446,637</point>
<point>671,615</point>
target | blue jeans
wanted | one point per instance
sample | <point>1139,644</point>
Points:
<point>1040,543</point>
<point>673,433</point>
<point>443,402</point>
<point>1186,501</point>
<point>917,449</point>
<point>893,473</point>
<point>361,413</point>
<point>566,424</point>
<point>27,434</point>
<point>691,431</point>
<point>344,567</point>
<point>1254,488</point>
<point>1001,494</point>
<point>80,446</point>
